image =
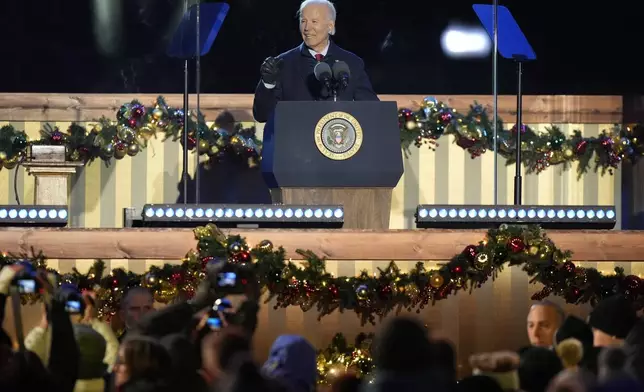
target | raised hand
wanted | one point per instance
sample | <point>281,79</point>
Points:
<point>270,70</point>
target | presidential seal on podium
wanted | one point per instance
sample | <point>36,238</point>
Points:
<point>338,136</point>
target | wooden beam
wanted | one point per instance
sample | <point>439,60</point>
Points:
<point>87,107</point>
<point>173,244</point>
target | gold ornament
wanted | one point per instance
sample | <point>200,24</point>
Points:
<point>133,149</point>
<point>3,156</point>
<point>204,146</point>
<point>75,155</point>
<point>126,134</point>
<point>436,280</point>
<point>334,372</point>
<point>157,113</point>
<point>567,153</point>
<point>214,150</point>
<point>201,232</point>
<point>265,245</point>
<point>558,257</point>
<point>11,163</point>
<point>166,293</point>
<point>557,157</point>
<point>533,250</point>
<point>412,290</point>
<point>545,249</point>
<point>411,125</point>
<point>146,132</point>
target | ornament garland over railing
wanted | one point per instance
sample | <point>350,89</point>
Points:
<point>135,124</point>
<point>370,296</point>
<point>473,131</point>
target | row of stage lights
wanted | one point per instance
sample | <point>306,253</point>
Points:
<point>33,215</point>
<point>546,216</point>
<point>285,216</point>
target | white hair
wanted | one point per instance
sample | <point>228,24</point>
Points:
<point>329,5</point>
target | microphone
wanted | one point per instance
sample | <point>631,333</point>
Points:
<point>323,73</point>
<point>341,73</point>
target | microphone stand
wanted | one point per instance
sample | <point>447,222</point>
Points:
<point>519,125</point>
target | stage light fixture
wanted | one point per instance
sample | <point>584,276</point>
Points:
<point>478,216</point>
<point>243,214</point>
<point>33,215</point>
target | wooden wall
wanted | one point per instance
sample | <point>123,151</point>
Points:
<point>492,318</point>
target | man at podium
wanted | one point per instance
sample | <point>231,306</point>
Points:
<point>290,76</point>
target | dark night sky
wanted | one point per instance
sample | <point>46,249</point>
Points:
<point>581,49</point>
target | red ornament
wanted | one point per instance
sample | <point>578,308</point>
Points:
<point>516,245</point>
<point>569,267</point>
<point>56,137</point>
<point>206,260</point>
<point>470,252</point>
<point>446,117</point>
<point>580,148</point>
<point>457,270</point>
<point>244,257</point>
<point>464,142</point>
<point>176,278</point>
<point>132,122</point>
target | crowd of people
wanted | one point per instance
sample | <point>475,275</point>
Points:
<point>206,344</point>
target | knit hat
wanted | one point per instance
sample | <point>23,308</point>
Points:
<point>92,346</point>
<point>614,316</point>
<point>293,361</point>
<point>574,327</point>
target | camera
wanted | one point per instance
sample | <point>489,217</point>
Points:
<point>25,280</point>
<point>74,303</point>
<point>232,279</point>
<point>214,315</point>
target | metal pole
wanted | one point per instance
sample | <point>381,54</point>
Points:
<point>495,94</point>
<point>185,132</point>
<point>517,175</point>
<point>197,91</point>
<point>185,122</point>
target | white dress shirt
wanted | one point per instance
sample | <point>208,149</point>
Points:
<point>313,53</point>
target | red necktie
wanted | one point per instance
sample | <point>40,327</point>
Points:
<point>319,57</point>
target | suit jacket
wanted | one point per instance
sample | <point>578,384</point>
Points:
<point>298,83</point>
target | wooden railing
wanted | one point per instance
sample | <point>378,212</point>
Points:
<point>572,109</point>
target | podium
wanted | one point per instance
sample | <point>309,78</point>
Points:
<point>327,152</point>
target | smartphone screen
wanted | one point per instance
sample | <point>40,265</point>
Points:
<point>227,279</point>
<point>26,286</point>
<point>73,307</point>
<point>214,322</point>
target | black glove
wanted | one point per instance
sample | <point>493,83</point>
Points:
<point>270,69</point>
